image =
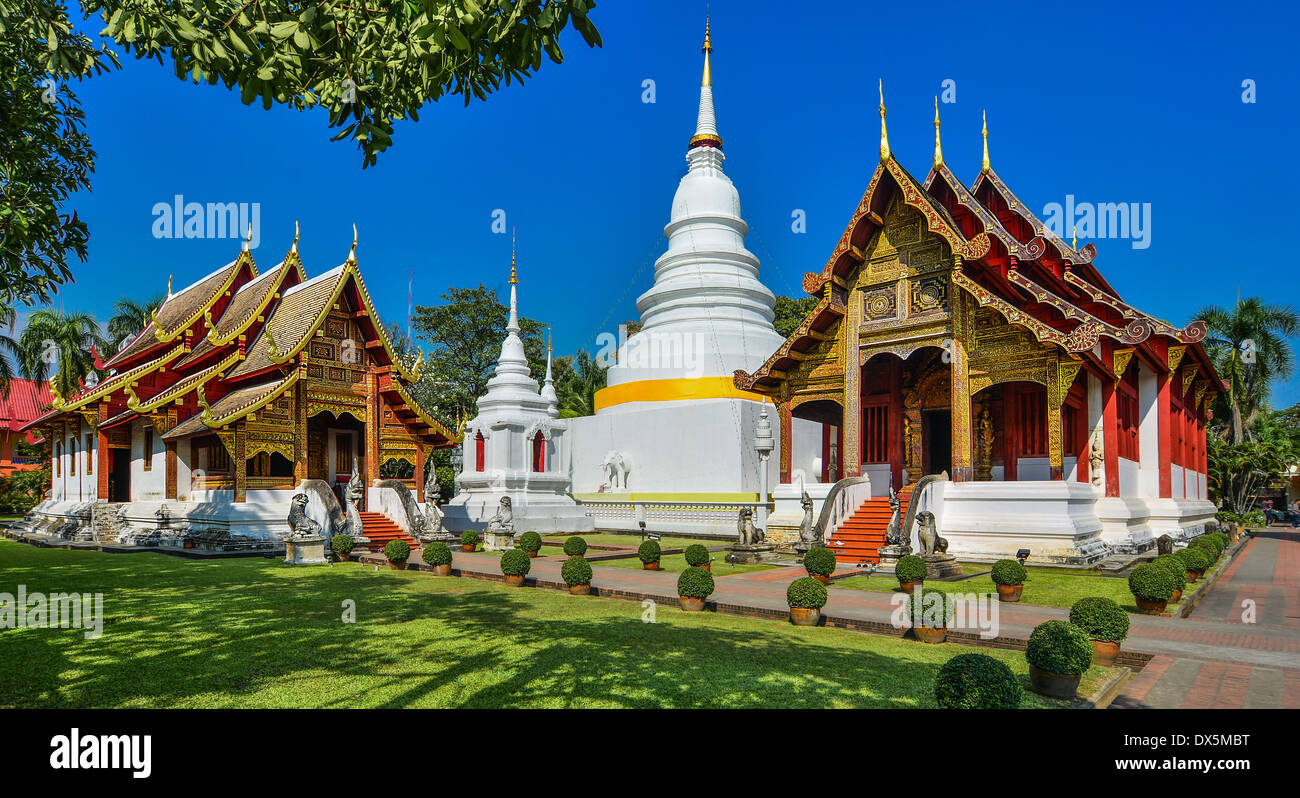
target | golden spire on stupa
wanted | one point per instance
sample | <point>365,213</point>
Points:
<point>984,166</point>
<point>708,48</point>
<point>884,133</point>
<point>514,274</point>
<point>938,146</point>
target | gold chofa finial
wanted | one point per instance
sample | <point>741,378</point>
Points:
<point>938,145</point>
<point>984,166</point>
<point>352,253</point>
<point>708,48</point>
<point>294,247</point>
<point>884,133</point>
<point>169,285</point>
<point>514,274</point>
<point>249,240</point>
<point>1074,237</point>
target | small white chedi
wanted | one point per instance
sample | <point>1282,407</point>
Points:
<point>514,448</point>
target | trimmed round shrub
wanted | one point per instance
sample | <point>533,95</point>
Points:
<point>910,568</point>
<point>1151,582</point>
<point>575,547</point>
<point>469,538</point>
<point>807,593</point>
<point>397,550</point>
<point>1210,548</point>
<point>529,541</point>
<point>437,553</point>
<point>696,554</point>
<point>1009,572</point>
<point>516,562</point>
<point>819,560</point>
<point>576,571</point>
<point>649,551</point>
<point>1175,568</point>
<point>1193,559</point>
<point>342,544</point>
<point>977,681</point>
<point>695,582</point>
<point>1060,647</point>
<point>930,608</point>
<point>1100,618</point>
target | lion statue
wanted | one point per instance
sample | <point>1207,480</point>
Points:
<point>300,525</point>
<point>928,534</point>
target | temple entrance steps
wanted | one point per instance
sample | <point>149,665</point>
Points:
<point>859,539</point>
<point>380,530</point>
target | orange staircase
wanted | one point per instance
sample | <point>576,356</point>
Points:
<point>859,539</point>
<point>380,530</point>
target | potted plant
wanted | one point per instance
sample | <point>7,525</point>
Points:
<point>1210,547</point>
<point>910,571</point>
<point>1009,576</point>
<point>530,542</point>
<point>397,552</point>
<point>1175,568</point>
<point>1152,587</point>
<point>649,553</point>
<point>1195,561</point>
<point>469,540</point>
<point>806,597</point>
<point>693,587</point>
<point>820,563</point>
<point>577,574</point>
<point>1105,624</point>
<point>575,546</point>
<point>514,565</point>
<point>930,613</point>
<point>1058,653</point>
<point>438,556</point>
<point>977,681</point>
<point>342,546</point>
<point>697,556</point>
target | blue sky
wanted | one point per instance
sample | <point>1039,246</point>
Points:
<point>1112,102</point>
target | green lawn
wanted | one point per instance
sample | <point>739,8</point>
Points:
<point>258,633</point>
<point>1048,587</point>
<point>676,563</point>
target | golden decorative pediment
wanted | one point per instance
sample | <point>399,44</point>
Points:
<point>1176,352</point>
<point>1122,357</point>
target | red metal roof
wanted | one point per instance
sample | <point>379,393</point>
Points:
<point>26,401</point>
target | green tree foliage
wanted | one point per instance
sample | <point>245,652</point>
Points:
<point>368,64</point>
<point>129,318</point>
<point>1249,347</point>
<point>45,154</point>
<point>1239,470</point>
<point>790,312</point>
<point>8,347</point>
<point>577,379</point>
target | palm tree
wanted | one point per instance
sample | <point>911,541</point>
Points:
<point>1249,346</point>
<point>129,318</point>
<point>577,389</point>
<point>8,318</point>
<point>66,338</point>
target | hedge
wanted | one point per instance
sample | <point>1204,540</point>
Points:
<point>819,560</point>
<point>342,544</point>
<point>922,606</point>
<point>1151,582</point>
<point>1175,568</point>
<point>1194,559</point>
<point>469,538</point>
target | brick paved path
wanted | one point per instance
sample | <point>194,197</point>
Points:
<point>1207,660</point>
<point>1214,674</point>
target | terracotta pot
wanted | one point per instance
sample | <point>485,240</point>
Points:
<point>1194,576</point>
<point>580,590</point>
<point>708,566</point>
<point>909,586</point>
<point>397,565</point>
<point>650,566</point>
<point>189,544</point>
<point>691,604</point>
<point>1053,685</point>
<point>468,546</point>
<point>825,580</point>
<point>532,554</point>
<point>347,557</point>
<point>441,570</point>
<point>805,616</point>
<point>1104,652</point>
<point>927,635</point>
<point>1010,593</point>
<point>1178,594</point>
<point>515,580</point>
<point>1151,607</point>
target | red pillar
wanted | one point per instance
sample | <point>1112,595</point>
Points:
<point>101,457</point>
<point>1110,436</point>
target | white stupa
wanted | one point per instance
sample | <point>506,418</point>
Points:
<point>515,447</point>
<point>671,414</point>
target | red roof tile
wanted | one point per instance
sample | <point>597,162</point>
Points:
<point>26,401</point>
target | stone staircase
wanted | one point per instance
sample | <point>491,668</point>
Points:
<point>380,530</point>
<point>860,538</point>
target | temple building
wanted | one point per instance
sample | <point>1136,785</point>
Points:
<point>671,426</point>
<point>956,334</point>
<point>515,448</point>
<point>244,384</point>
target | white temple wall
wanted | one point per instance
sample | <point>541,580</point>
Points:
<point>1148,432</point>
<point>806,457</point>
<point>692,448</point>
<point>75,479</point>
<point>1129,477</point>
<point>148,468</point>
